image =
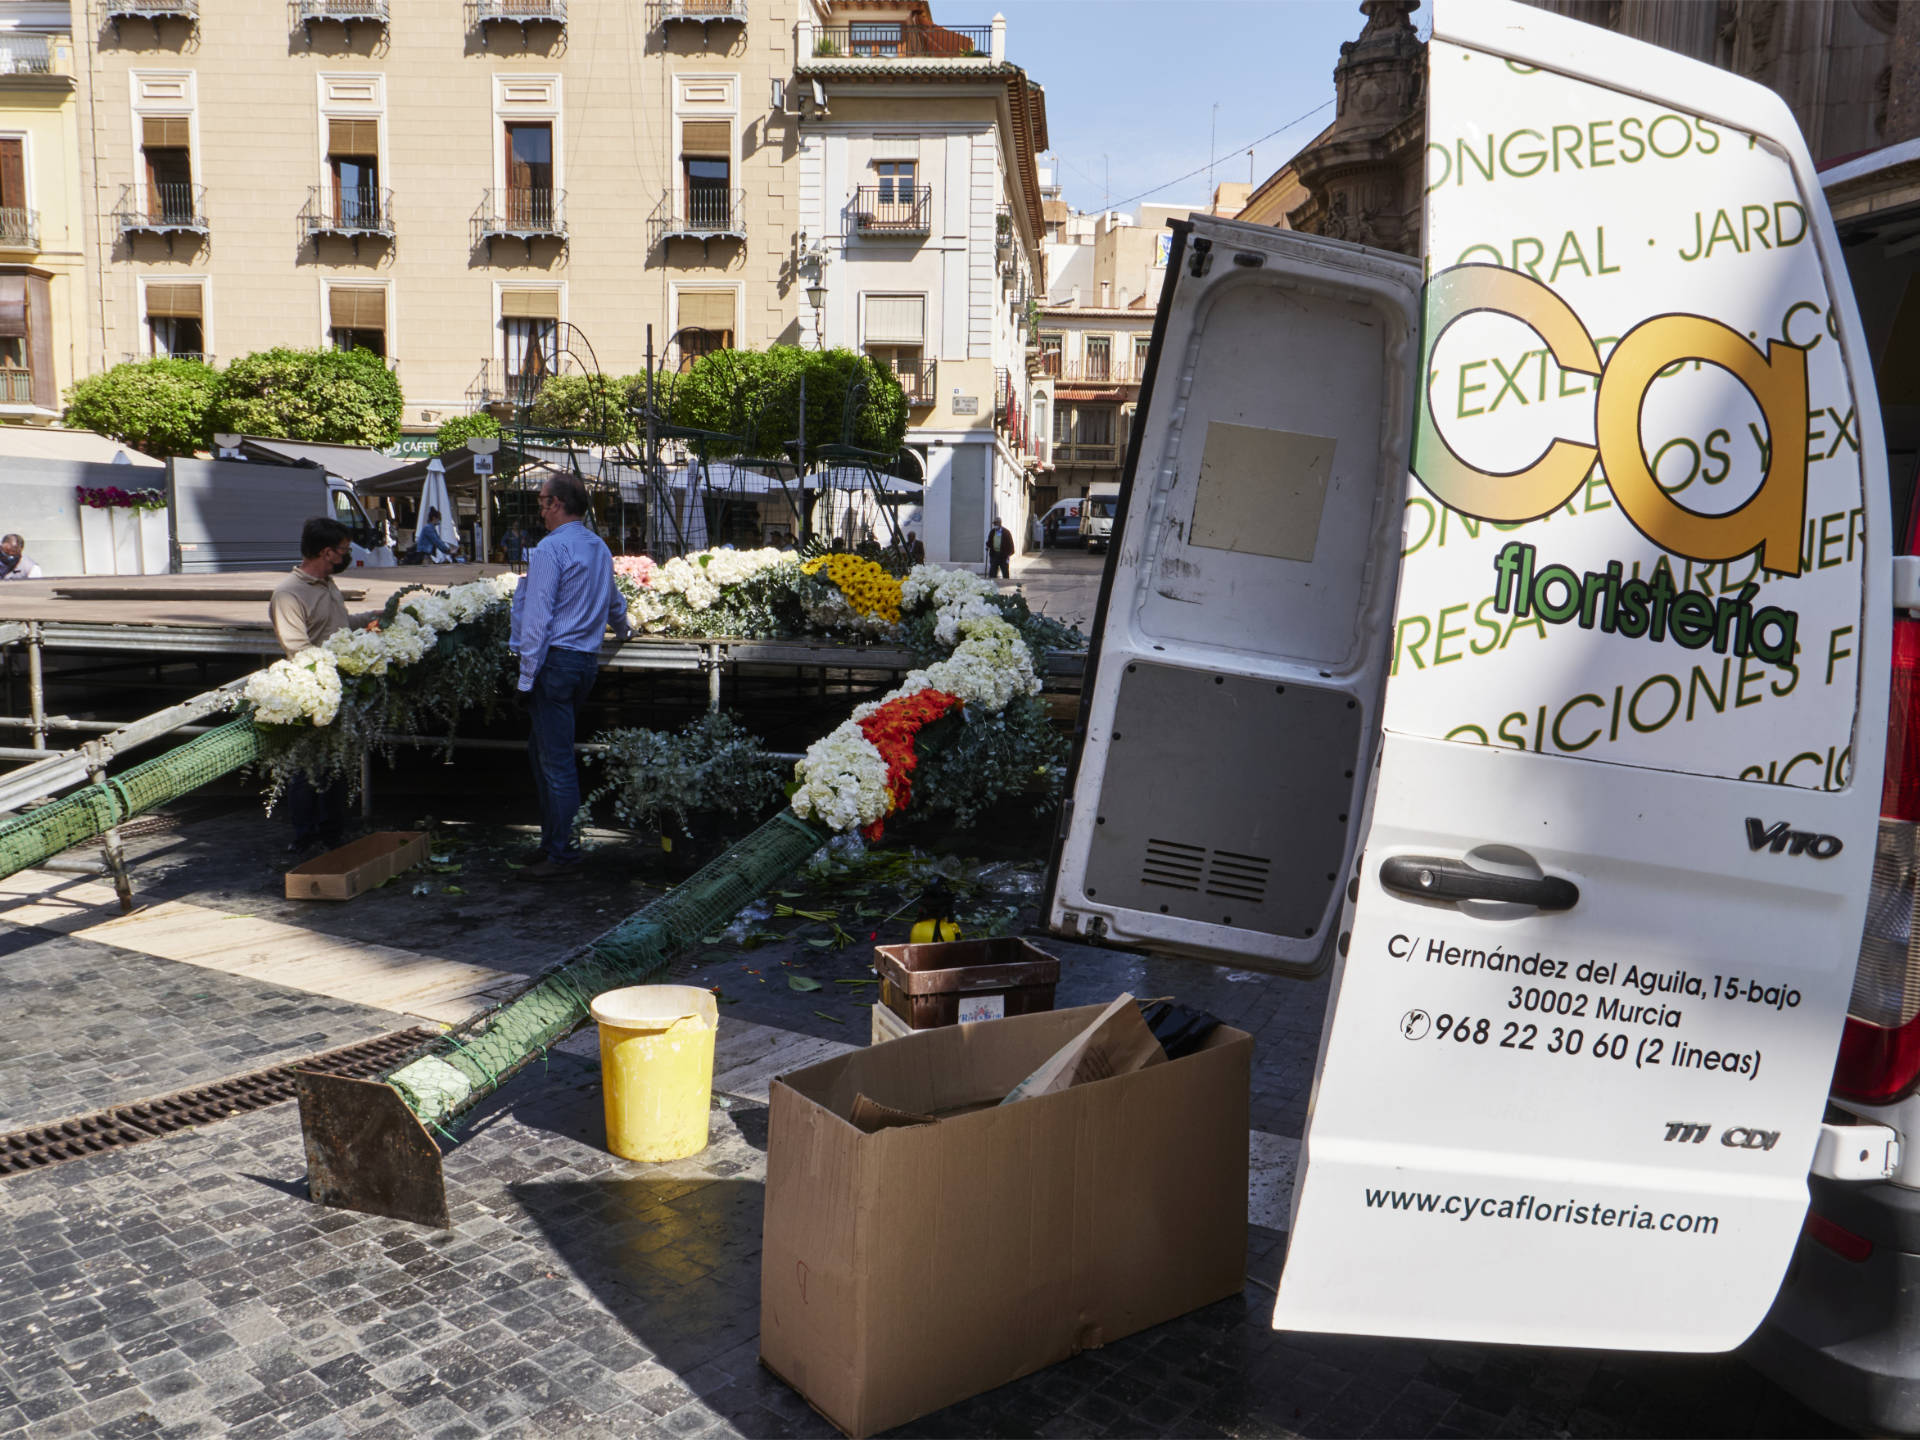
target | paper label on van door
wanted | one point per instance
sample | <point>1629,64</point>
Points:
<point>1635,424</point>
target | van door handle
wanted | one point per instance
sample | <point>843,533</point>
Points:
<point>1435,877</point>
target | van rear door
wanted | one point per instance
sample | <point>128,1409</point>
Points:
<point>1233,700</point>
<point>1613,888</point>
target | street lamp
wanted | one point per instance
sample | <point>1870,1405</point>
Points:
<point>817,297</point>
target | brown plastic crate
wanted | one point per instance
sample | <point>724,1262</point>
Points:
<point>924,984</point>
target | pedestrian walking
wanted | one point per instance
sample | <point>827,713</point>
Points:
<point>562,612</point>
<point>427,543</point>
<point>999,550</point>
<point>514,544</point>
<point>916,551</point>
<point>15,563</point>
<point>305,608</point>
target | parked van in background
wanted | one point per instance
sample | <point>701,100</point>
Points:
<point>1096,523</point>
<point>1060,525</point>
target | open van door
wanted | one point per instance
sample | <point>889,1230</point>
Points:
<point>1607,916</point>
<point>1242,637</point>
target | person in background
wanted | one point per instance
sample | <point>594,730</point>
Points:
<point>15,563</point>
<point>916,552</point>
<point>560,615</point>
<point>305,609</point>
<point>999,550</point>
<point>514,544</point>
<point>427,543</point>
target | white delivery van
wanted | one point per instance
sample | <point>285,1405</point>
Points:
<point>1098,510</point>
<point>1563,751</point>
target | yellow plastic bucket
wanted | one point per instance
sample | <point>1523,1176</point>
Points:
<point>656,1067</point>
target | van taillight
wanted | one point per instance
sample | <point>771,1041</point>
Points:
<point>1880,1049</point>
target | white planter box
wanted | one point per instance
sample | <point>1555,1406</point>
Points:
<point>156,557</point>
<point>96,541</point>
<point>126,541</point>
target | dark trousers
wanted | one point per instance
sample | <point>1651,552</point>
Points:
<point>565,680</point>
<point>997,565</point>
<point>317,814</point>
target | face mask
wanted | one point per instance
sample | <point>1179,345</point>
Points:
<point>343,562</point>
<point>7,562</point>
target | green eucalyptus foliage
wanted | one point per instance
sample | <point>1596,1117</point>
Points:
<point>332,396</point>
<point>969,762</point>
<point>453,434</point>
<point>726,390</point>
<point>657,779</point>
<point>159,407</point>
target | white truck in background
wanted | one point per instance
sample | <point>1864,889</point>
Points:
<point>1097,512</point>
<point>246,515</point>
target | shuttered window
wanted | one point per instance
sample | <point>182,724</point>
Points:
<point>896,147</point>
<point>529,304</point>
<point>706,137</point>
<point>13,307</point>
<point>13,173</point>
<point>706,310</point>
<point>353,137</point>
<point>357,308</point>
<point>896,319</point>
<point>164,132</point>
<point>174,302</point>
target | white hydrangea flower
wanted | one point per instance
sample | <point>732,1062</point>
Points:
<point>303,690</point>
<point>843,780</point>
<point>406,640</point>
<point>358,652</point>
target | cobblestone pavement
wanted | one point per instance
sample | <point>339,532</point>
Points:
<point>91,1026</point>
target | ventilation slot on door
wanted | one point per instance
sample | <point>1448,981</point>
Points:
<point>1173,866</point>
<point>1238,877</point>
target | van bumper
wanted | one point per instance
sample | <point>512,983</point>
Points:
<point>1843,1335</point>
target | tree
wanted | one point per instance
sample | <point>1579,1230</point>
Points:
<point>335,396</point>
<point>734,390</point>
<point>159,407</point>
<point>594,405</point>
<point>453,434</point>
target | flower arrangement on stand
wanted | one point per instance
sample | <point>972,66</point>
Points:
<point>431,656</point>
<point>112,497</point>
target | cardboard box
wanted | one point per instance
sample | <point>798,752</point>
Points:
<point>356,868</point>
<point>911,1268</point>
<point>954,981</point>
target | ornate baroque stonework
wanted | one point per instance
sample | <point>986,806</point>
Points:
<point>1364,175</point>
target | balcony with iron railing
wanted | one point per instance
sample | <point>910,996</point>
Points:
<point>527,213</point>
<point>117,10</point>
<point>893,210</point>
<point>354,214</point>
<point>918,380</point>
<point>1092,370</point>
<point>19,229</point>
<point>702,12</point>
<point>520,12</point>
<point>1098,452</point>
<point>166,210</point>
<point>341,12</point>
<point>699,213</point>
<point>889,40</point>
<point>25,55</point>
<point>496,384</point>
<point>16,386</point>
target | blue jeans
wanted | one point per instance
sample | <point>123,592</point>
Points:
<point>565,680</point>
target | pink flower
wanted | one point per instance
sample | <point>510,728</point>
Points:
<point>637,568</point>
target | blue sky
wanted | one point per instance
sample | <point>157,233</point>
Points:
<point>1131,84</point>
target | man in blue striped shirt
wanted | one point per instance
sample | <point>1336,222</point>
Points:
<point>560,615</point>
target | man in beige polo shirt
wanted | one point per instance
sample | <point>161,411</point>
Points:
<point>305,609</point>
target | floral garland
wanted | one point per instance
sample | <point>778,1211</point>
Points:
<point>112,497</point>
<point>302,691</point>
<point>846,781</point>
<point>891,729</point>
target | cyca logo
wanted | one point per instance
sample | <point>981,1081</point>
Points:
<point>1770,520</point>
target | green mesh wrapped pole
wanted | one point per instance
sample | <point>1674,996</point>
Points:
<point>41,834</point>
<point>470,1063</point>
